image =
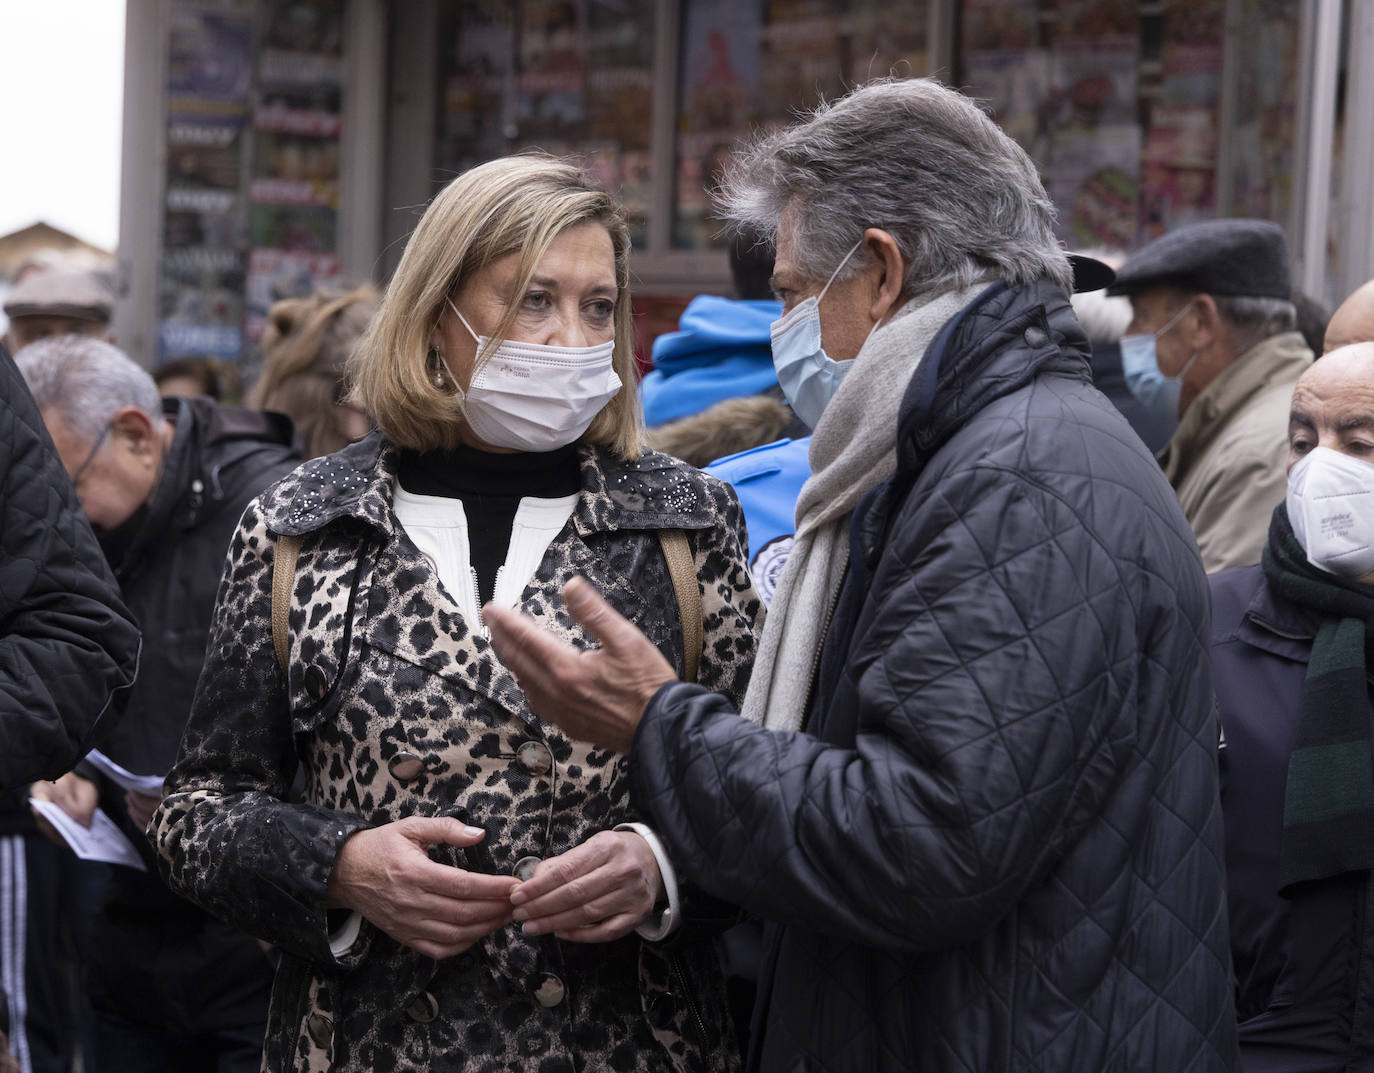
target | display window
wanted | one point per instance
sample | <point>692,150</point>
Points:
<point>749,67</point>
<point>570,77</point>
<point>1140,115</point>
<point>251,191</point>
<point>1120,106</point>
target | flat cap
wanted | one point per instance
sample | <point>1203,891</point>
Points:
<point>1236,258</point>
<point>82,295</point>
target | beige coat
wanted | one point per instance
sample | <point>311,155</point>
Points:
<point>1228,458</point>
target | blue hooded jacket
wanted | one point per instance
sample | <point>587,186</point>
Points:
<point>767,480</point>
<point>721,350</point>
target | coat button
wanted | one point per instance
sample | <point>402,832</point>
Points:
<point>316,684</point>
<point>535,757</point>
<point>320,1029</point>
<point>550,991</point>
<point>405,766</point>
<point>1035,337</point>
<point>524,868</point>
<point>424,1009</point>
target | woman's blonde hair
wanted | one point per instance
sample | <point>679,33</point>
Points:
<point>305,348</point>
<point>517,204</point>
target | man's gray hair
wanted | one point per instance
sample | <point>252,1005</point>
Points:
<point>916,159</point>
<point>1256,319</point>
<point>86,381</point>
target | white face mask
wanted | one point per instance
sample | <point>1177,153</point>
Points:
<point>535,397</point>
<point>1331,508</point>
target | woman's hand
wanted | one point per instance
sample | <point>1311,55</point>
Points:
<point>385,874</point>
<point>602,890</point>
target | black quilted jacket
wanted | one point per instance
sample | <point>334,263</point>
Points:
<point>68,646</point>
<point>998,846</point>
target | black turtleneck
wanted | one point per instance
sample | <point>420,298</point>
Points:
<point>490,487</point>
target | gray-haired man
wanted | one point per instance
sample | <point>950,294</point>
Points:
<point>163,484</point>
<point>976,791</point>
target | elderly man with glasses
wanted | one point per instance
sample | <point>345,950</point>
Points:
<point>163,484</point>
<point>975,788</point>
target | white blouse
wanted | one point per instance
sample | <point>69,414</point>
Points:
<point>439,527</point>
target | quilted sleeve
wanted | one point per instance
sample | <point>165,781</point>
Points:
<point>992,692</point>
<point>730,617</point>
<point>730,608</point>
<point>225,836</point>
<point>68,646</point>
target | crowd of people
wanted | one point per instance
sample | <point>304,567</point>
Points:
<point>953,656</point>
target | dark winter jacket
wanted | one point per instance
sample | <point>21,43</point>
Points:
<point>1305,965</point>
<point>395,705</point>
<point>68,646</point>
<point>998,845</point>
<point>157,959</point>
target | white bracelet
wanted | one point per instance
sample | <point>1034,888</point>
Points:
<point>670,918</point>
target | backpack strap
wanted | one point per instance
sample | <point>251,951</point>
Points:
<point>283,573</point>
<point>683,570</point>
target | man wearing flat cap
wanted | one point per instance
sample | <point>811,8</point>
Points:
<point>58,302</point>
<point>1213,343</point>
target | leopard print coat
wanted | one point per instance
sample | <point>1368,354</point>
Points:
<point>395,706</point>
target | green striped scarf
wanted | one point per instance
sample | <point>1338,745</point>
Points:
<point>1328,807</point>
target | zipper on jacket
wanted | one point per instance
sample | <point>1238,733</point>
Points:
<point>816,660</point>
<point>477,604</point>
<point>676,968</point>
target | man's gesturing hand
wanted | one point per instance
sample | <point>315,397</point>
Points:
<point>597,696</point>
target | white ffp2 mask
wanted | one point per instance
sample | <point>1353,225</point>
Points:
<point>1331,508</point>
<point>536,397</point>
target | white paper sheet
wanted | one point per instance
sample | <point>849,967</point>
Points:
<point>151,785</point>
<point>102,841</point>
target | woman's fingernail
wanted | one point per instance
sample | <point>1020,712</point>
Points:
<point>517,896</point>
<point>530,928</point>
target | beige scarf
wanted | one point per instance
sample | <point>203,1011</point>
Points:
<point>854,448</point>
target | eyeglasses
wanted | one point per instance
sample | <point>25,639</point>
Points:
<point>81,469</point>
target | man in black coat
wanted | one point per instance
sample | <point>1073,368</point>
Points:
<point>68,654</point>
<point>1302,922</point>
<point>981,811</point>
<point>164,485</point>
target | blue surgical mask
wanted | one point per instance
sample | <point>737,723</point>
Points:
<point>809,377</point>
<point>1140,366</point>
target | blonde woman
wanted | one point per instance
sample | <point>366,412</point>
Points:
<point>508,459</point>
